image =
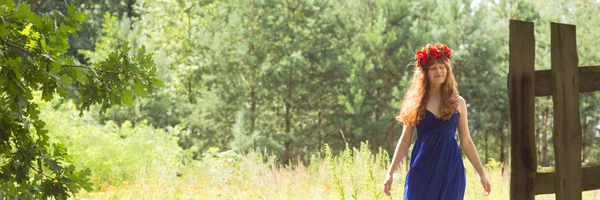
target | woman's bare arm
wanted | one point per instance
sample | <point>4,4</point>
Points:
<point>401,148</point>
<point>465,138</point>
<point>470,150</point>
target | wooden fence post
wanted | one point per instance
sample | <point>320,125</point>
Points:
<point>521,97</point>
<point>567,179</point>
<point>565,99</point>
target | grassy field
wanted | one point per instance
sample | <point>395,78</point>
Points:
<point>356,174</point>
<point>142,162</point>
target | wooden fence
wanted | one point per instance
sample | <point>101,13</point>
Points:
<point>564,81</point>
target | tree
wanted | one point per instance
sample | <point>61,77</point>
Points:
<point>33,64</point>
<point>291,75</point>
<point>94,10</point>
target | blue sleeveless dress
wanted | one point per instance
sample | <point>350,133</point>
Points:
<point>436,167</point>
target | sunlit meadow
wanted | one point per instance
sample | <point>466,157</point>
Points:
<point>353,175</point>
<point>141,162</point>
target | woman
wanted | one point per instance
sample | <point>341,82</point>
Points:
<point>433,106</point>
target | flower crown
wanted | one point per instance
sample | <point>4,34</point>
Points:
<point>432,52</point>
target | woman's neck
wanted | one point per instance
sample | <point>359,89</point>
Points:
<point>434,90</point>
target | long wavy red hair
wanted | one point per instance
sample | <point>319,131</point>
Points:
<point>415,99</point>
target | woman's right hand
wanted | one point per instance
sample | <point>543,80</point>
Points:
<point>387,185</point>
<point>487,187</point>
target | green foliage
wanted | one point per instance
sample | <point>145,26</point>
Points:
<point>290,76</point>
<point>114,153</point>
<point>285,77</point>
<point>95,11</point>
<point>32,48</point>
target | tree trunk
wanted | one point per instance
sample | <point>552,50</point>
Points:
<point>486,147</point>
<point>35,5</point>
<point>288,107</point>
<point>190,92</point>
<point>503,158</point>
<point>252,108</point>
<point>377,107</point>
<point>390,139</point>
<point>319,130</point>
<point>288,118</point>
<point>130,13</point>
<point>538,137</point>
<point>544,161</point>
<point>583,139</point>
<point>502,138</point>
<point>252,70</point>
<point>187,53</point>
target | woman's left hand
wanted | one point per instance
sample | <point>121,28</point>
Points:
<point>387,185</point>
<point>487,187</point>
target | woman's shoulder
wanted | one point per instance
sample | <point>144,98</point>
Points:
<point>460,99</point>
<point>462,103</point>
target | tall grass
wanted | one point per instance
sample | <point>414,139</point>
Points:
<point>141,162</point>
<point>353,174</point>
<point>119,156</point>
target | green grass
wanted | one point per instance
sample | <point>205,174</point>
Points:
<point>356,174</point>
<point>142,162</point>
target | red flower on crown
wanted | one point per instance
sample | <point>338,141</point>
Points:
<point>431,52</point>
<point>434,50</point>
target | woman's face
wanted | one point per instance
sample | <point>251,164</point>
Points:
<point>436,73</point>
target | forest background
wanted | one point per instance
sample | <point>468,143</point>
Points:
<point>210,98</point>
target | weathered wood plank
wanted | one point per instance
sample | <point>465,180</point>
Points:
<point>543,86</point>
<point>591,177</point>
<point>544,179</point>
<point>521,98</point>
<point>565,98</point>
<point>589,80</point>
